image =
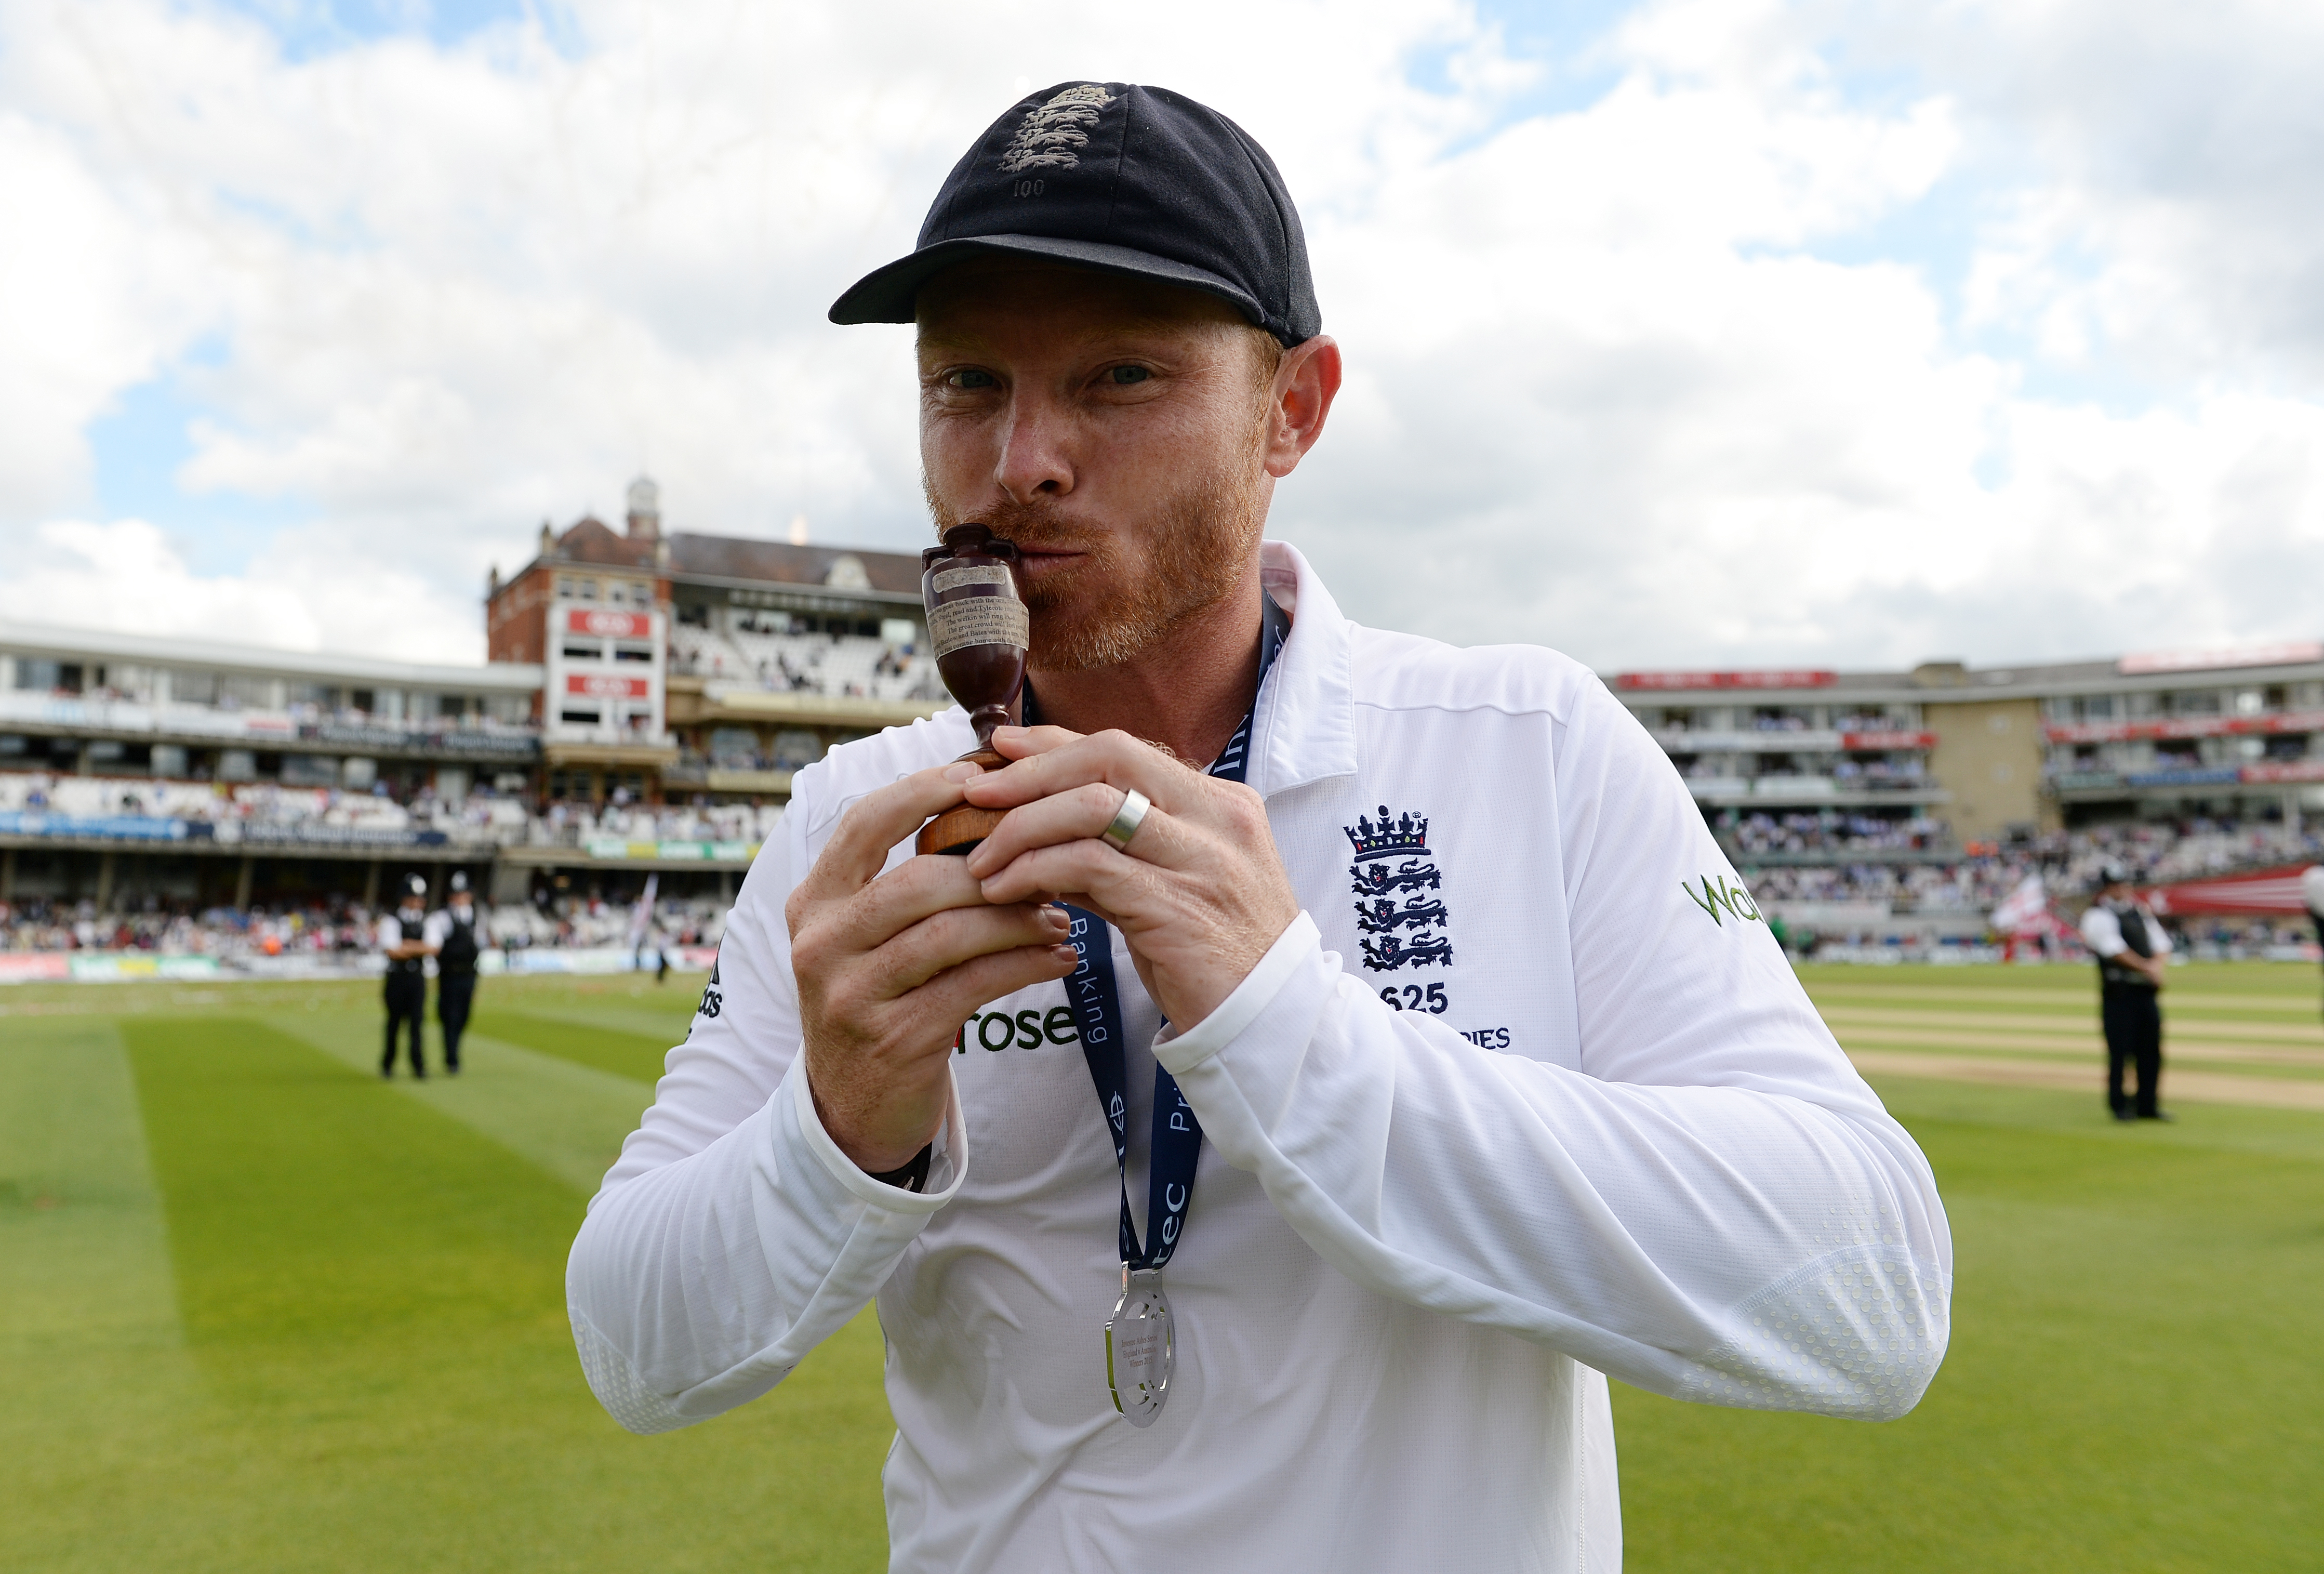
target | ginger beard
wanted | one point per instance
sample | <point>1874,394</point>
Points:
<point>1134,584</point>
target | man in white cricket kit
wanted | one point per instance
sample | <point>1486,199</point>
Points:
<point>1415,1065</point>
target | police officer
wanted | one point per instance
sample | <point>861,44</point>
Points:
<point>2130,946</point>
<point>403,937</point>
<point>452,933</point>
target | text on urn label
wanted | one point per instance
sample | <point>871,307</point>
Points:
<point>978,620</point>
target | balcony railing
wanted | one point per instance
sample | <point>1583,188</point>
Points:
<point>472,736</point>
<point>1781,741</point>
<point>1804,788</point>
<point>2259,774</point>
<point>252,834</point>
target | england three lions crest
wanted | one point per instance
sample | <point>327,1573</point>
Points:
<point>1052,136</point>
<point>1402,923</point>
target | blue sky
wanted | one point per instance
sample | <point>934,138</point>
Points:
<point>137,449</point>
<point>309,28</point>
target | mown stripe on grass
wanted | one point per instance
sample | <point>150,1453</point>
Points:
<point>1934,987</point>
<point>306,1200</point>
<point>376,1293</point>
<point>2258,1033</point>
<point>2198,1087</point>
<point>2294,1015</point>
<point>2296,1134</point>
<point>83,1256</point>
<point>567,1118</point>
<point>666,1022</point>
<point>93,1365</point>
<point>618,1050</point>
<point>377,1298</point>
<point>2296,1064</point>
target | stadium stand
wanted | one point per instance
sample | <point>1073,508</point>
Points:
<point>1857,903</point>
<point>648,696</point>
<point>838,666</point>
<point>141,808</point>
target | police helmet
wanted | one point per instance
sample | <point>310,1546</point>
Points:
<point>2112,872</point>
<point>459,881</point>
<point>415,889</point>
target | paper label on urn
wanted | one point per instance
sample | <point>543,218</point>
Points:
<point>978,620</point>
<point>975,574</point>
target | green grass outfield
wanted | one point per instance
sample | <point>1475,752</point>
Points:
<point>260,1311</point>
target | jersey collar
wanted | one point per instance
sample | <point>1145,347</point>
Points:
<point>1304,730</point>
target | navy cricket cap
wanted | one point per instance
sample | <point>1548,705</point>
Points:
<point>1124,178</point>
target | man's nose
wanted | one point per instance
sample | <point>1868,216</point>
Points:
<point>1034,460</point>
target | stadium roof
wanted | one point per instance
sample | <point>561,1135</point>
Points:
<point>1956,681</point>
<point>81,644</point>
<point>738,559</point>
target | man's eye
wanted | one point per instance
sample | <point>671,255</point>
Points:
<point>1125,376</point>
<point>969,377</point>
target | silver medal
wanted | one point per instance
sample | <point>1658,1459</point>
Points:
<point>1141,1347</point>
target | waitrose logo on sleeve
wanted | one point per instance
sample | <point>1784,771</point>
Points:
<point>1719,896</point>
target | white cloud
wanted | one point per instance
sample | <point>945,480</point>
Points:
<point>1609,387</point>
<point>313,592</point>
<point>2163,159</point>
<point>91,299</point>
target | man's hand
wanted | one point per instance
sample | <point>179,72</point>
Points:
<point>1199,894</point>
<point>890,966</point>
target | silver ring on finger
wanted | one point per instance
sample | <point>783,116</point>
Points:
<point>1127,820</point>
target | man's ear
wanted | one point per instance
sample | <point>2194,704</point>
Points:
<point>1300,400</point>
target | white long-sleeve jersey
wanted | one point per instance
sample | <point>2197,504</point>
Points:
<point>1527,1094</point>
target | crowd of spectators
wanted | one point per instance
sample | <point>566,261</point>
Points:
<point>1923,877</point>
<point>1847,774</point>
<point>1972,886</point>
<point>1828,830</point>
<point>337,925</point>
<point>264,810</point>
<point>2164,852</point>
<point>2157,851</point>
<point>842,665</point>
<point>224,811</point>
<point>1888,771</point>
<point>1976,879</point>
<point>714,822</point>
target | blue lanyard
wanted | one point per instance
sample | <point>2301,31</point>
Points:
<point>1096,1002</point>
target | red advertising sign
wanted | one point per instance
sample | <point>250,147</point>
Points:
<point>605,686</point>
<point>1887,740</point>
<point>2185,726</point>
<point>605,624</point>
<point>2264,891</point>
<point>2285,770</point>
<point>1768,680</point>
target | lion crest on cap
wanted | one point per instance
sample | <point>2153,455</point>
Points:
<point>1051,135</point>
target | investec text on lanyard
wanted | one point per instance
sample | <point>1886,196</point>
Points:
<point>1141,1335</point>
